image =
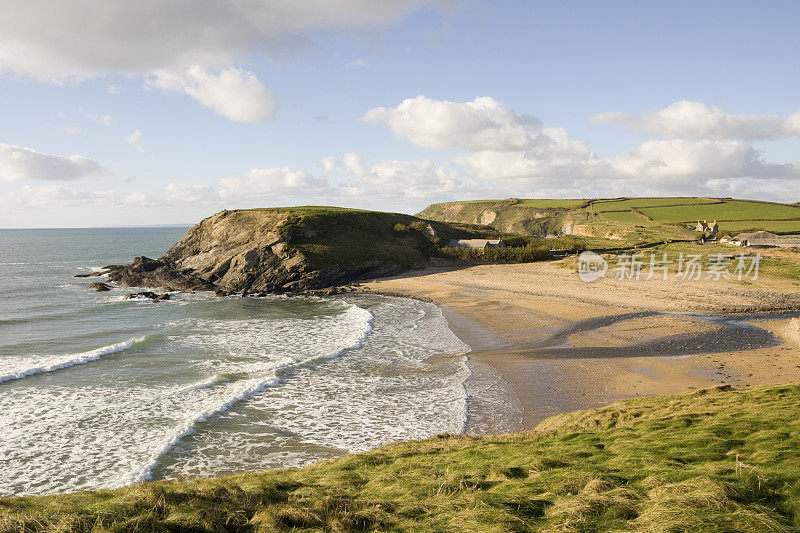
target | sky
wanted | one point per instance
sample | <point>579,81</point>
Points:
<point>165,111</point>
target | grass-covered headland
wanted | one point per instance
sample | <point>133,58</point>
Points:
<point>713,460</point>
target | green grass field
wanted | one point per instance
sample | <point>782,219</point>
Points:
<point>730,210</point>
<point>735,216</point>
<point>617,216</point>
<point>713,460</point>
<point>615,205</point>
<point>777,226</point>
<point>552,204</point>
<point>626,217</point>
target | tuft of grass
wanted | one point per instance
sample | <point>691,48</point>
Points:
<point>713,460</point>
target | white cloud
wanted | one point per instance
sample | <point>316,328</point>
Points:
<point>556,167</point>
<point>234,93</point>
<point>482,124</point>
<point>358,63</point>
<point>189,45</point>
<point>682,167</point>
<point>510,155</point>
<point>271,184</point>
<point>20,163</point>
<point>550,156</point>
<point>396,180</point>
<point>72,131</point>
<point>507,155</point>
<point>175,194</point>
<point>114,88</point>
<point>135,140</point>
<point>103,120</point>
<point>696,120</point>
<point>57,196</point>
<point>82,38</point>
<point>678,161</point>
<point>792,124</point>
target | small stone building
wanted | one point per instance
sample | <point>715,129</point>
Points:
<point>477,243</point>
<point>705,227</point>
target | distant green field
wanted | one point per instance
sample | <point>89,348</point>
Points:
<point>552,204</point>
<point>615,205</point>
<point>730,210</point>
<point>777,226</point>
<point>626,217</point>
<point>670,216</point>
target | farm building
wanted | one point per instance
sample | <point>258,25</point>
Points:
<point>766,239</point>
<point>477,243</point>
<point>705,227</point>
<point>733,241</point>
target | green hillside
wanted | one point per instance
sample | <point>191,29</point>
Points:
<point>713,460</point>
<point>629,219</point>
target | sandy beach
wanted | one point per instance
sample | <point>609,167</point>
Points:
<point>520,320</point>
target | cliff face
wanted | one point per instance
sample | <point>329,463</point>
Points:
<point>507,216</point>
<point>285,250</point>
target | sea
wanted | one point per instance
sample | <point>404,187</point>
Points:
<point>98,391</point>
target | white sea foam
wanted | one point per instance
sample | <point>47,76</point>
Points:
<point>204,383</point>
<point>406,382</point>
<point>273,382</point>
<point>237,393</point>
<point>360,321</point>
<point>12,368</point>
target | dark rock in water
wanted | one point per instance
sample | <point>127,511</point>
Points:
<point>157,273</point>
<point>90,275</point>
<point>100,287</point>
<point>147,294</point>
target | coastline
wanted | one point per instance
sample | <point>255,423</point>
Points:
<point>503,311</point>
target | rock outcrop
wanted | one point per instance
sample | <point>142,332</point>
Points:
<point>284,250</point>
<point>147,295</point>
<point>100,287</point>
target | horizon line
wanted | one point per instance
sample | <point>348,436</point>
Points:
<point>128,226</point>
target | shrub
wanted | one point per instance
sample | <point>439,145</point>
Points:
<point>525,254</point>
<point>418,225</point>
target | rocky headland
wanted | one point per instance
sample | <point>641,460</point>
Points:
<point>290,250</point>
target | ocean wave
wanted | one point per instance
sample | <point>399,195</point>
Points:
<point>59,362</point>
<point>361,318</point>
<point>216,379</point>
<point>249,388</point>
<point>403,384</point>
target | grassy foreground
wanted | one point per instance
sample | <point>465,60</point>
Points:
<point>713,460</point>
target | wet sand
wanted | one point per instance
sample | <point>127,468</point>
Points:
<point>560,344</point>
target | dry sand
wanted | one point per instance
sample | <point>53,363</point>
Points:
<point>499,310</point>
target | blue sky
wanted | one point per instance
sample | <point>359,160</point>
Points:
<point>374,104</point>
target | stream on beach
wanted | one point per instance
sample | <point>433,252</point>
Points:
<point>733,333</point>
